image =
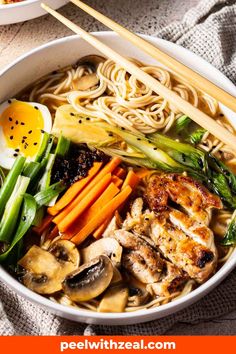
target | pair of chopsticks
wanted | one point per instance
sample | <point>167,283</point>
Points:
<point>191,76</point>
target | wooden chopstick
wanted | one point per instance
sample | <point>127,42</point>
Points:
<point>198,116</point>
<point>180,69</point>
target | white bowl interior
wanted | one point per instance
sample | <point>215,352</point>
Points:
<point>58,54</point>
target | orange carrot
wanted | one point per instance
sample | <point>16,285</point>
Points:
<point>131,180</point>
<point>119,172</point>
<point>102,215</point>
<point>142,172</point>
<point>117,181</point>
<point>92,195</point>
<point>44,225</point>
<point>74,190</point>
<point>109,167</point>
<point>105,197</point>
<point>98,233</point>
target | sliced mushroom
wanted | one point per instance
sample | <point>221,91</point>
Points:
<point>85,82</point>
<point>43,271</point>
<point>47,270</point>
<point>117,277</point>
<point>65,252</point>
<point>90,280</point>
<point>114,300</point>
<point>91,60</point>
<point>108,246</point>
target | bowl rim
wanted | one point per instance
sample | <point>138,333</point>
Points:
<point>18,4</point>
<point>143,314</point>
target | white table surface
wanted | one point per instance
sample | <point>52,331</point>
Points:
<point>143,16</point>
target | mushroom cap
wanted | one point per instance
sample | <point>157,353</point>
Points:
<point>107,246</point>
<point>91,60</point>
<point>90,280</point>
<point>46,270</point>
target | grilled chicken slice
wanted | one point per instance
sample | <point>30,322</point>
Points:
<point>171,281</point>
<point>194,258</point>
<point>183,237</point>
<point>193,197</point>
<point>139,258</point>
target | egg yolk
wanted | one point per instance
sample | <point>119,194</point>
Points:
<point>22,124</point>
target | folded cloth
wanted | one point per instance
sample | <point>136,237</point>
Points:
<point>210,31</point>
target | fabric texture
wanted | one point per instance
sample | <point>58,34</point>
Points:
<point>210,31</point>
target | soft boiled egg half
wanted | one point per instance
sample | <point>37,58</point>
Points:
<point>21,130</point>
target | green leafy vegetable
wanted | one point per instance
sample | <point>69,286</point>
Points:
<point>45,196</point>
<point>63,146</point>
<point>12,209</point>
<point>181,124</point>
<point>27,216</point>
<point>230,236</point>
<point>9,182</point>
<point>196,136</point>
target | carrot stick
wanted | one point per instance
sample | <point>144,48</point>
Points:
<point>98,233</point>
<point>131,180</point>
<point>44,225</point>
<point>117,181</point>
<point>104,198</point>
<point>142,172</point>
<point>102,215</point>
<point>92,195</point>
<point>119,172</point>
<point>109,167</point>
<point>74,190</point>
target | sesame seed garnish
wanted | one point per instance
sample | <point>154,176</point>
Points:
<point>10,119</point>
<point>22,123</point>
<point>87,118</point>
<point>9,101</point>
<point>24,137</point>
<point>110,134</point>
<point>80,121</point>
<point>138,139</point>
<point>72,114</point>
<point>35,107</point>
<point>17,150</point>
<point>154,148</point>
<point>30,131</point>
<point>12,128</point>
<point>122,128</point>
<point>11,137</point>
<point>221,115</point>
<point>17,122</point>
<point>15,155</point>
<point>35,143</point>
<point>22,141</point>
<point>42,131</point>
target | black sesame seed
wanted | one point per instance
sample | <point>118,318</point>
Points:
<point>154,148</point>
<point>11,137</point>
<point>17,150</point>
<point>35,107</point>
<point>17,122</point>
<point>10,119</point>
<point>138,139</point>
<point>35,143</point>
<point>9,101</point>
<point>72,114</point>
<point>42,131</point>
<point>221,115</point>
<point>122,128</point>
<point>22,123</point>
<point>22,141</point>
<point>80,121</point>
<point>30,131</point>
<point>15,155</point>
<point>146,219</point>
<point>24,137</point>
<point>12,128</point>
<point>110,134</point>
<point>87,118</point>
<point>149,141</point>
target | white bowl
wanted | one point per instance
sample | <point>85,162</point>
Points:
<point>66,51</point>
<point>26,10</point>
